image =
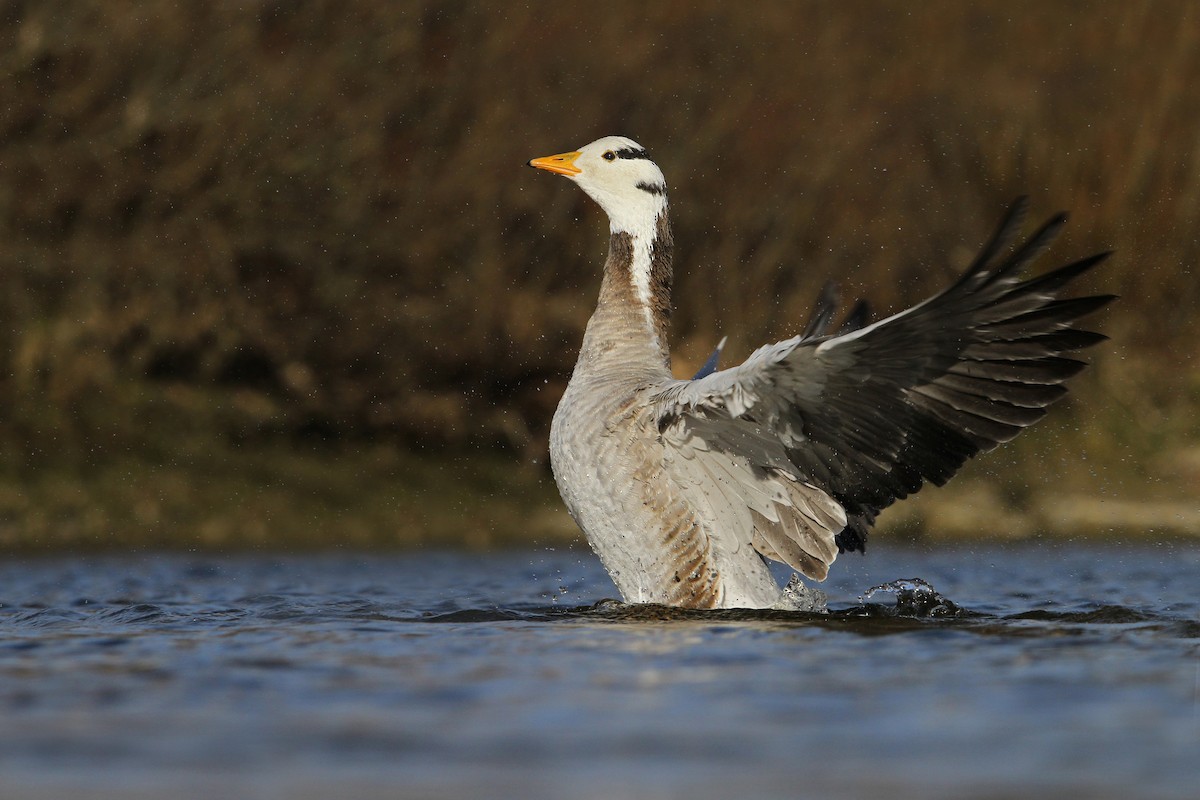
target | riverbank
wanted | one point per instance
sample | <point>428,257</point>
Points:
<point>278,497</point>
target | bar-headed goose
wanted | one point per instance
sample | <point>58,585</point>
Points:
<point>685,489</point>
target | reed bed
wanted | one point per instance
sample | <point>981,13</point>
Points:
<point>229,227</point>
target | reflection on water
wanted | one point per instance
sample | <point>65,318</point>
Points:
<point>449,675</point>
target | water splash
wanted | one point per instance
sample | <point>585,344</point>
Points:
<point>914,597</point>
<point>800,597</point>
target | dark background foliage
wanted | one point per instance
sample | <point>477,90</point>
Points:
<point>230,230</point>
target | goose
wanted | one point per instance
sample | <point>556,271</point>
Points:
<point>688,489</point>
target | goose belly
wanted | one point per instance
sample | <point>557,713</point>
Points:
<point>609,466</point>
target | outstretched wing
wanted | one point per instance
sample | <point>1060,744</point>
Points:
<point>870,413</point>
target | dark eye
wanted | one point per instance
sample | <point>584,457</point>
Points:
<point>609,156</point>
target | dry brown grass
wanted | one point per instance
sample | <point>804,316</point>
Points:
<point>311,219</point>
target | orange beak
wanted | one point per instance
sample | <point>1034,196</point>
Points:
<point>562,164</point>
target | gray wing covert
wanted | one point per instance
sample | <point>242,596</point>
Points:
<point>868,415</point>
<point>741,480</point>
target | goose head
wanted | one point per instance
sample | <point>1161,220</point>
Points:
<point>617,173</point>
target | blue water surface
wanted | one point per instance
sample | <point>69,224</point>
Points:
<point>1071,668</point>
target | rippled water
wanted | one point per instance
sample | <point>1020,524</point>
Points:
<point>447,675</point>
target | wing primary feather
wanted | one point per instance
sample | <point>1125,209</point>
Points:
<point>1032,347</point>
<point>822,313</point>
<point>1058,278</point>
<point>1056,313</point>
<point>858,317</point>
<point>1026,395</point>
<point>1051,369</point>
<point>1008,230</point>
<point>1033,247</point>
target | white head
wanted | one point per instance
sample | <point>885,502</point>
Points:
<point>617,173</point>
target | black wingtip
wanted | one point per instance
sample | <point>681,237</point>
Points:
<point>857,319</point>
<point>853,538</point>
<point>1006,232</point>
<point>1033,247</point>
<point>822,312</point>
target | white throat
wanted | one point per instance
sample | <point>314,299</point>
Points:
<point>642,229</point>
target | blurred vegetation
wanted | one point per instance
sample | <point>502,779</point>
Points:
<point>248,251</point>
